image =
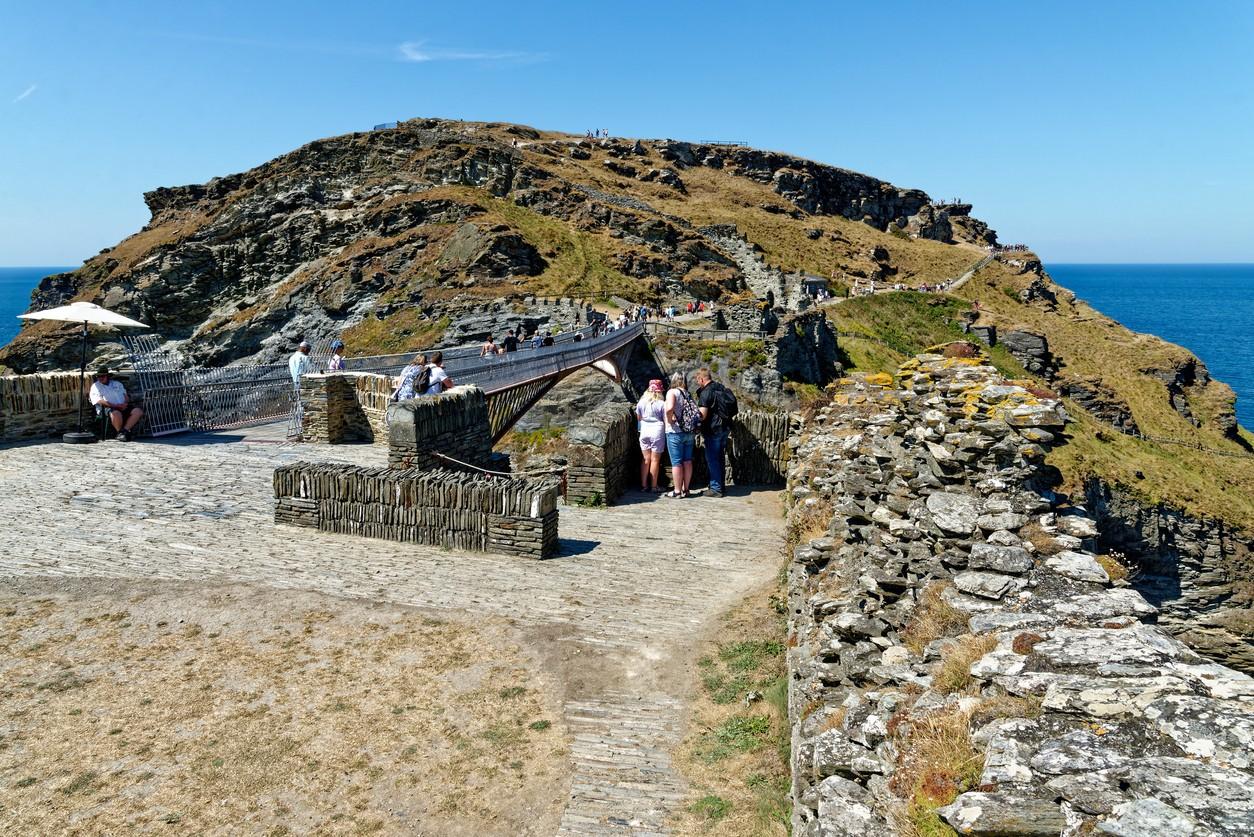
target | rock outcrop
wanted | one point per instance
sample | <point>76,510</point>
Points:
<point>960,654</point>
<point>1199,573</point>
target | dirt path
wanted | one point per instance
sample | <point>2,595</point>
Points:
<point>612,621</point>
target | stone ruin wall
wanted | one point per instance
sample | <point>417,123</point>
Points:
<point>441,507</point>
<point>951,599</point>
<point>603,451</point>
<point>45,405</point>
<point>40,406</point>
<point>454,423</point>
<point>343,407</point>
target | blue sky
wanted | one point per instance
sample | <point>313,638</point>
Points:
<point>1092,131</point>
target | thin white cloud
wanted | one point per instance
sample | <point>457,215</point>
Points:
<point>26,93</point>
<point>417,52</point>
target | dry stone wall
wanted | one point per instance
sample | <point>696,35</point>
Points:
<point>454,424</point>
<point>40,406</point>
<point>442,507</point>
<point>603,453</point>
<point>343,407</point>
<point>760,447</point>
<point>959,655</point>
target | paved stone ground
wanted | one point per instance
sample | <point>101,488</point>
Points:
<point>618,612</point>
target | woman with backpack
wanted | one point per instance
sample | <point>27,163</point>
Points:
<point>412,379</point>
<point>682,419</point>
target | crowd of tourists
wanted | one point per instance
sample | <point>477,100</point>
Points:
<point>669,421</point>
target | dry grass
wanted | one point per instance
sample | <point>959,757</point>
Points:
<point>937,762</point>
<point>1116,569</point>
<point>1005,706</point>
<point>954,672</point>
<point>736,757</point>
<point>256,710</point>
<point>932,619</point>
<point>1044,542</point>
<point>808,520</point>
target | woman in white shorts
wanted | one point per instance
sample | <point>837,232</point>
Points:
<point>651,411</point>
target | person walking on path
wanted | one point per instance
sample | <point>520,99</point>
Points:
<point>717,405</point>
<point>680,436</point>
<point>298,363</point>
<point>336,363</point>
<point>651,412</point>
<point>488,349</point>
<point>510,342</point>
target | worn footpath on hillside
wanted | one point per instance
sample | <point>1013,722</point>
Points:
<point>609,624</point>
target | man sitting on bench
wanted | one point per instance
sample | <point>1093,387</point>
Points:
<point>110,399</point>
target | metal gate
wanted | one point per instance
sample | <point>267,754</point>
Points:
<point>177,400</point>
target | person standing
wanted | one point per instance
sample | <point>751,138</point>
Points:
<point>438,381</point>
<point>298,363</point>
<point>680,441</point>
<point>510,342</point>
<point>336,363</point>
<point>488,349</point>
<point>714,401</point>
<point>651,413</point>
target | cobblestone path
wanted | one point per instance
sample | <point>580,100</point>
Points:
<point>635,585</point>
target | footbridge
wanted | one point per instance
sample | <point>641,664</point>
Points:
<point>178,400</point>
<point>515,381</point>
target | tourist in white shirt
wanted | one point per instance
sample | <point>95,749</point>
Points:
<point>439,379</point>
<point>298,363</point>
<point>110,399</point>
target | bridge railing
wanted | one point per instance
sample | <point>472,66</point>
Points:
<point>728,334</point>
<point>493,374</point>
<point>454,355</point>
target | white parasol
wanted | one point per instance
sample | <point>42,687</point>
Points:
<point>87,313</point>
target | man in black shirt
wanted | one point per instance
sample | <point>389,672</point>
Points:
<point>510,342</point>
<point>715,426</point>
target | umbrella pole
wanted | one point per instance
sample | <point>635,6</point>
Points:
<point>81,437</point>
<point>82,377</point>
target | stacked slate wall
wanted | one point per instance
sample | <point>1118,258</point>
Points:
<point>604,455</point>
<point>453,424</point>
<point>442,507</point>
<point>343,407</point>
<point>757,450</point>
<point>962,659</point>
<point>40,406</point>
<point>759,447</point>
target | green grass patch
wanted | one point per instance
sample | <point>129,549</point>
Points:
<point>711,807</point>
<point>578,261</point>
<point>738,734</point>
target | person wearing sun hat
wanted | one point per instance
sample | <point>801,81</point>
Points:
<point>651,413</point>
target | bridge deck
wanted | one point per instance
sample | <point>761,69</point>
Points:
<point>634,587</point>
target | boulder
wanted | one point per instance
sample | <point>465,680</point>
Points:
<point>1004,814</point>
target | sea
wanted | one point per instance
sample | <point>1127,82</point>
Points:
<point>16,283</point>
<point>1207,308</point>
